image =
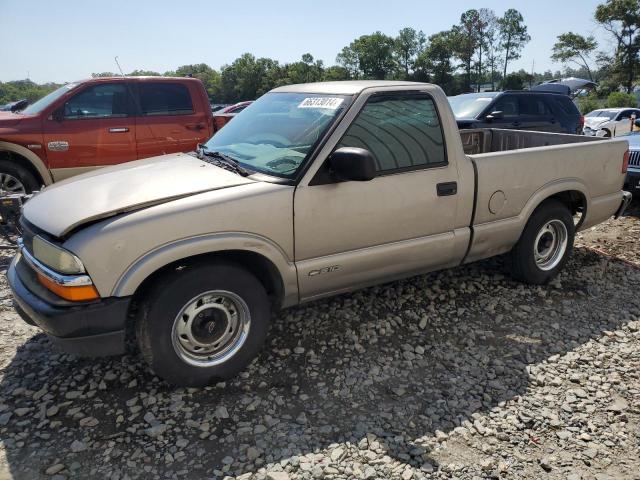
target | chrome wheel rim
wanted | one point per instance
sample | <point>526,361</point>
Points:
<point>211,328</point>
<point>10,184</point>
<point>550,245</point>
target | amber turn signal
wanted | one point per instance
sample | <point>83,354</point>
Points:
<point>72,293</point>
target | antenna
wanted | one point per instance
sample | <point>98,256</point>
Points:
<point>118,64</point>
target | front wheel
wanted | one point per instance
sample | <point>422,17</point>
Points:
<point>203,323</point>
<point>545,245</point>
<point>15,179</point>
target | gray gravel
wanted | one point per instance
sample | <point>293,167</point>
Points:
<point>458,374</point>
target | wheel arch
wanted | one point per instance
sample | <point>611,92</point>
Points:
<point>498,237</point>
<point>256,254</point>
<point>26,158</point>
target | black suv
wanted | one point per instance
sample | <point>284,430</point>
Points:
<point>522,110</point>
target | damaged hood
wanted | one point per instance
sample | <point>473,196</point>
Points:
<point>66,205</point>
<point>595,122</point>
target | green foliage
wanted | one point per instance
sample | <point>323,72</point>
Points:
<point>19,89</point>
<point>408,45</point>
<point>513,81</point>
<point>621,100</point>
<point>621,18</point>
<point>588,103</point>
<point>369,56</point>
<point>573,47</point>
<point>513,36</point>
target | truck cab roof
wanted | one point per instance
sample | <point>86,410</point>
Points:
<point>349,87</point>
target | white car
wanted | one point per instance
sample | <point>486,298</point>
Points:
<point>610,122</point>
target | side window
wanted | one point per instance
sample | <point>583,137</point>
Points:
<point>508,105</point>
<point>534,106</point>
<point>402,132</point>
<point>566,105</point>
<point>164,99</point>
<point>624,115</point>
<point>99,101</point>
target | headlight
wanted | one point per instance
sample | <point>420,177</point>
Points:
<point>55,257</point>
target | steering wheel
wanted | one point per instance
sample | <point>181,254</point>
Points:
<point>274,139</point>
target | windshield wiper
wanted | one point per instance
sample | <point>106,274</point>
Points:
<point>221,160</point>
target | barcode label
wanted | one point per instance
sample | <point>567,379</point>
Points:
<point>330,103</point>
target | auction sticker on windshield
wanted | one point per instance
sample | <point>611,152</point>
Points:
<point>330,103</point>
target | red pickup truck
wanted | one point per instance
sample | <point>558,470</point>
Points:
<point>100,122</point>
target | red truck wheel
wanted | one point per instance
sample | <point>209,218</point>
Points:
<point>15,179</point>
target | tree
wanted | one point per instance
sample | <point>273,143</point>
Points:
<point>335,73</point>
<point>407,46</point>
<point>304,71</point>
<point>370,56</point>
<point>573,47</point>
<point>622,100</point>
<point>247,78</point>
<point>490,43</point>
<point>513,36</point>
<point>434,63</point>
<point>465,42</point>
<point>621,18</point>
<point>588,103</point>
<point>209,77</point>
<point>143,73</point>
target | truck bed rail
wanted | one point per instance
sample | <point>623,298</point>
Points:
<point>488,140</point>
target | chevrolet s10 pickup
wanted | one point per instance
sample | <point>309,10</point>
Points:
<point>311,191</point>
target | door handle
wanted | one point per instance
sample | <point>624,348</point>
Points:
<point>195,126</point>
<point>516,124</point>
<point>118,130</point>
<point>447,188</point>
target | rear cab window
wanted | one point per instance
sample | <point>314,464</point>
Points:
<point>161,98</point>
<point>402,131</point>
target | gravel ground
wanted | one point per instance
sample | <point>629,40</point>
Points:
<point>457,374</point>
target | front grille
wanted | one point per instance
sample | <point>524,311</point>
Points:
<point>634,158</point>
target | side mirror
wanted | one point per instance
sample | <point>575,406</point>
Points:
<point>497,115</point>
<point>637,123</point>
<point>353,164</point>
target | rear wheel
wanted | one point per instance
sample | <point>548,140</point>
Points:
<point>15,179</point>
<point>203,323</point>
<point>545,245</point>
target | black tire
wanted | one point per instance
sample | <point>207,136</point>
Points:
<point>523,262</point>
<point>607,133</point>
<point>166,300</point>
<point>20,173</point>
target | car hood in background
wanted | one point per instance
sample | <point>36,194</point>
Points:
<point>594,122</point>
<point>64,206</point>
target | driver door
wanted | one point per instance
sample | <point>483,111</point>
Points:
<point>350,234</point>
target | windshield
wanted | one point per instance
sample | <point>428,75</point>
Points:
<point>470,105</point>
<point>47,100</point>
<point>602,114</point>
<point>276,133</point>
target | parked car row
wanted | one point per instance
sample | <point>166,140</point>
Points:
<point>187,254</point>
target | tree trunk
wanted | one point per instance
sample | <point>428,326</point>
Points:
<point>506,59</point>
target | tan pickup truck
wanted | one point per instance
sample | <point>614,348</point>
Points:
<point>311,191</point>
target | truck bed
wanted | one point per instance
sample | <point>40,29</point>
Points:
<point>487,140</point>
<point>515,170</point>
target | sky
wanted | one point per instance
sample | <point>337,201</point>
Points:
<point>66,40</point>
